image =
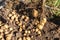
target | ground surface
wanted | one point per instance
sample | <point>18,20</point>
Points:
<point>19,21</point>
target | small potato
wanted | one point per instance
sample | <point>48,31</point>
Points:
<point>27,18</point>
<point>10,15</point>
<point>26,31</point>
<point>42,23</point>
<point>24,38</point>
<point>35,13</point>
<point>39,32</point>
<point>22,17</point>
<point>20,38</point>
<point>29,31</point>
<point>14,11</point>
<point>9,36</point>
<point>31,36</point>
<point>40,26</point>
<point>6,26</point>
<point>37,29</point>
<point>12,18</point>
<point>25,34</point>
<point>20,29</point>
<point>1,30</point>
<point>28,38</point>
<point>11,29</point>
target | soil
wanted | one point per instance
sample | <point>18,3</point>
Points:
<point>22,11</point>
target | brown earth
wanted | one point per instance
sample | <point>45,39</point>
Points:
<point>19,20</point>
